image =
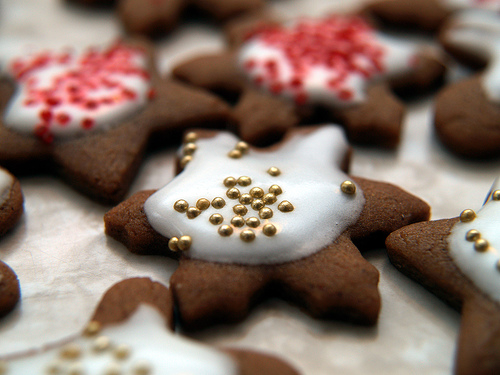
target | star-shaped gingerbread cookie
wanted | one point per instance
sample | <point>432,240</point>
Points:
<point>131,333</point>
<point>89,116</point>
<point>337,68</point>
<point>248,223</point>
<point>459,260</point>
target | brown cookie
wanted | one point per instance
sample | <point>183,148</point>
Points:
<point>131,332</point>
<point>90,121</point>
<point>248,223</point>
<point>9,289</point>
<point>458,259</point>
<point>11,201</point>
<point>337,68</point>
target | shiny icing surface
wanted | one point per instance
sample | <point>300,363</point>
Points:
<point>146,344</point>
<point>327,61</point>
<point>310,180</point>
<point>471,4</point>
<point>6,181</point>
<point>65,94</point>
<point>481,267</point>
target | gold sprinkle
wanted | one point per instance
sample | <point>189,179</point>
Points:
<point>233,193</point>
<point>173,244</point>
<point>246,199</point>
<point>472,235</point>
<point>122,351</point>
<point>92,328</point>
<point>239,209</point>
<point>216,219</point>
<point>76,369</point>
<point>141,367</point>
<point>269,230</point>
<point>184,243</point>
<point>257,192</point>
<point>274,171</point>
<point>101,343</point>
<point>247,235</point>
<point>181,206</point>
<point>348,187</point>
<point>70,351</point>
<point>218,203</point>
<point>238,221</point>
<point>286,206</point>
<point>244,181</point>
<point>225,230</point>
<point>275,189</point>
<point>189,148</point>
<point>265,213</point>
<point>230,182</point>
<point>243,147</point>
<point>495,195</point>
<point>257,204</point>
<point>185,160</point>
<point>193,212</point>
<point>467,215</point>
<point>202,204</point>
<point>253,222</point>
<point>270,198</point>
<point>190,137</point>
<point>53,368</point>
<point>481,245</point>
<point>113,369</point>
<point>235,154</point>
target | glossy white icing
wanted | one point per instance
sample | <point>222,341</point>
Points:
<point>6,181</point>
<point>150,343</point>
<point>480,267</point>
<point>478,32</point>
<point>310,179</point>
<point>471,4</point>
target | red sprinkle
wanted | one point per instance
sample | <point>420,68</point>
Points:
<point>63,118</point>
<point>46,115</point>
<point>87,123</point>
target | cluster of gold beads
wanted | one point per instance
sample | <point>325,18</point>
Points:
<point>188,148</point>
<point>241,148</point>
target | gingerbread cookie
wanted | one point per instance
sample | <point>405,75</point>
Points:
<point>131,333</point>
<point>249,222</point>
<point>467,113</point>
<point>89,116</point>
<point>458,259</point>
<point>338,68</point>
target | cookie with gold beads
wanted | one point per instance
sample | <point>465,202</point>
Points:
<point>300,243</point>
<point>131,332</point>
<point>459,260</point>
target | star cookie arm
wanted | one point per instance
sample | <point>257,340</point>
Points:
<point>11,208</point>
<point>223,10</point>
<point>9,289</point>
<point>253,363</point>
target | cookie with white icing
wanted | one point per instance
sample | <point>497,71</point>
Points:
<point>337,68</point>
<point>459,260</point>
<point>88,115</point>
<point>467,113</point>
<point>131,333</point>
<point>247,223</point>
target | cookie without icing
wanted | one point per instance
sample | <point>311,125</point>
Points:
<point>131,332</point>
<point>459,260</point>
<point>88,117</point>
<point>247,223</point>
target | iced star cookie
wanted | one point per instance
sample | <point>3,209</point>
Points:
<point>459,260</point>
<point>88,116</point>
<point>247,223</point>
<point>131,333</point>
<point>467,113</point>
<point>335,68</point>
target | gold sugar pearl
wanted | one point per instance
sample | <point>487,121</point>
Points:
<point>92,328</point>
<point>193,212</point>
<point>216,219</point>
<point>239,209</point>
<point>122,351</point>
<point>225,230</point>
<point>270,198</point>
<point>238,221</point>
<point>253,222</point>
<point>244,181</point>
<point>274,171</point>
<point>269,230</point>
<point>184,243</point>
<point>190,137</point>
<point>189,148</point>
<point>348,187</point>
<point>113,369</point>
<point>218,203</point>
<point>53,368</point>
<point>265,213</point>
<point>246,199</point>
<point>173,244</point>
<point>230,182</point>
<point>481,245</point>
<point>202,204</point>
<point>185,160</point>
<point>257,192</point>
<point>257,204</point>
<point>495,195</point>
<point>181,206</point>
<point>467,215</point>
<point>70,351</point>
<point>235,154</point>
<point>243,147</point>
<point>101,343</point>
<point>247,235</point>
<point>275,189</point>
<point>76,369</point>
<point>142,367</point>
<point>472,235</point>
<point>286,206</point>
<point>233,193</point>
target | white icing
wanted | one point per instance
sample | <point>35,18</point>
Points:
<point>26,119</point>
<point>480,267</point>
<point>150,341</point>
<point>493,5</point>
<point>6,181</point>
<point>310,179</point>
<point>478,32</point>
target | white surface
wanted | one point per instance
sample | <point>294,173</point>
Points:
<point>65,262</point>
